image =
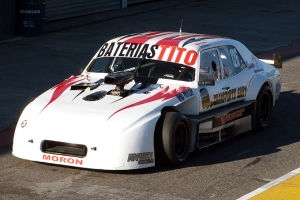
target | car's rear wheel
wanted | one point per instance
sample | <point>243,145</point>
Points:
<point>172,139</point>
<point>264,107</point>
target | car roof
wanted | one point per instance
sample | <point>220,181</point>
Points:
<point>183,48</point>
<point>184,39</point>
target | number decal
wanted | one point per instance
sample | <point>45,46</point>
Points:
<point>235,58</point>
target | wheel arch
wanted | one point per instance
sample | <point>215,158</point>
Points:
<point>192,125</point>
<point>159,126</point>
<point>256,83</point>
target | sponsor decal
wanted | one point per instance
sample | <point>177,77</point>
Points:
<point>187,94</point>
<point>223,97</point>
<point>251,65</point>
<point>254,64</point>
<point>231,116</point>
<point>201,43</point>
<point>60,88</point>
<point>205,98</point>
<point>30,11</point>
<point>62,159</point>
<point>28,24</point>
<point>142,158</point>
<point>162,52</point>
<point>254,60</point>
<point>163,95</point>
<point>258,70</point>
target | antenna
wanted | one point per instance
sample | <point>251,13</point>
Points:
<point>180,27</point>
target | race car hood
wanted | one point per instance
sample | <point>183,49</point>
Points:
<point>66,108</point>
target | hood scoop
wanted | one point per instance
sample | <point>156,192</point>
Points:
<point>120,79</point>
<point>95,96</point>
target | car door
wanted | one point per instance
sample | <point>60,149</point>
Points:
<point>211,97</point>
<point>232,68</point>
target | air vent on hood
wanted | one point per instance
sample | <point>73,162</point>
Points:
<point>82,86</point>
<point>95,96</point>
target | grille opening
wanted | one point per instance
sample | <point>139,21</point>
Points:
<point>62,148</point>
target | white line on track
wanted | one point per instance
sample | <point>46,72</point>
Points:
<point>269,185</point>
<point>10,40</point>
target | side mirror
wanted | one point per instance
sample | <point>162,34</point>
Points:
<point>208,82</point>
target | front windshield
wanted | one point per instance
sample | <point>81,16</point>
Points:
<point>143,68</point>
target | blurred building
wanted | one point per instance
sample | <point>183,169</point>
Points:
<point>57,9</point>
<point>7,16</point>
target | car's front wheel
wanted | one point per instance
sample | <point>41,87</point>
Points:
<point>172,140</point>
<point>264,107</point>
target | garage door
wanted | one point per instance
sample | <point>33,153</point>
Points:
<point>130,2</point>
<point>61,9</point>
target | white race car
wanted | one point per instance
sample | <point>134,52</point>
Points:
<point>147,99</point>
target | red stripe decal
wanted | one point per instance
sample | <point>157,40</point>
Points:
<point>175,40</point>
<point>61,87</point>
<point>163,95</point>
<point>141,39</point>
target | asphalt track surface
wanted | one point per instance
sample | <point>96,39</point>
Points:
<point>228,170</point>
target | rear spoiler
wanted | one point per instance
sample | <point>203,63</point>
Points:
<point>276,62</point>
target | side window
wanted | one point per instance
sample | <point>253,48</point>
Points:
<point>228,69</point>
<point>231,60</point>
<point>238,61</point>
<point>209,65</point>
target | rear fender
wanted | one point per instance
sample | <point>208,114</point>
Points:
<point>256,83</point>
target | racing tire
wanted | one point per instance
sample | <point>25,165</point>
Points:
<point>264,107</point>
<point>172,139</point>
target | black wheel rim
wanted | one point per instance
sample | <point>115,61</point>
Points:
<point>181,139</point>
<point>265,108</point>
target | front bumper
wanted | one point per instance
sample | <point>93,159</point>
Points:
<point>106,147</point>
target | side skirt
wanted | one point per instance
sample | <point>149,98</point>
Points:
<point>222,123</point>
